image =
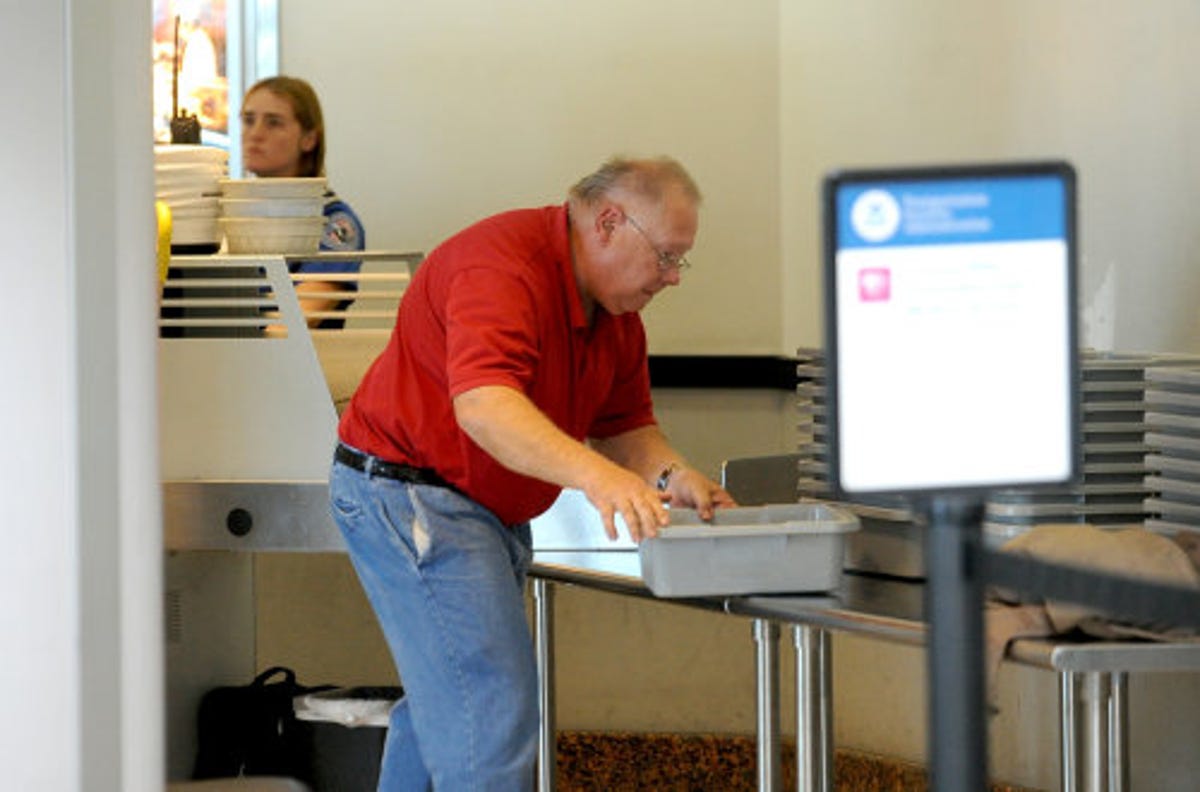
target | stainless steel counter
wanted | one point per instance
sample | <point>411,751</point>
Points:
<point>1093,704</point>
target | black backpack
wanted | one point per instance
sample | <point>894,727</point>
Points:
<point>251,729</point>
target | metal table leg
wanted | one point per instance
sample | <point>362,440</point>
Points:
<point>1118,732</point>
<point>1068,740</point>
<point>543,637</point>
<point>814,713</point>
<point>766,651</point>
<point>1095,732</point>
<point>1093,738</point>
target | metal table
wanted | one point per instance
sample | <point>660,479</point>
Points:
<point>1093,702</point>
<point>616,572</point>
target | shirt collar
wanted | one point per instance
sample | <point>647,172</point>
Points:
<point>561,236</point>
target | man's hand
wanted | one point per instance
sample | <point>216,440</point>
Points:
<point>691,489</point>
<point>614,490</point>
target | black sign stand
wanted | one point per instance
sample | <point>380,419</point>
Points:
<point>954,609</point>
<point>868,211</point>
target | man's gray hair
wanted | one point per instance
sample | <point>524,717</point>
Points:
<point>647,178</point>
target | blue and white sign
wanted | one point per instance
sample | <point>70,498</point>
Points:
<point>952,328</point>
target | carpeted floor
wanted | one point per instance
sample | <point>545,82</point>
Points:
<point>618,762</point>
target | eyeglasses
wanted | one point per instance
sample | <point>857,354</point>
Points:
<point>666,261</point>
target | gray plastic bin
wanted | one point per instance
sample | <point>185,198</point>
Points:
<point>748,550</point>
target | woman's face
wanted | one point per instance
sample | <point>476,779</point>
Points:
<point>272,139</point>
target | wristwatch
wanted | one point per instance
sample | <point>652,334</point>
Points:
<point>664,478</point>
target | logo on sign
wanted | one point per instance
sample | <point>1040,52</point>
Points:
<point>874,284</point>
<point>875,215</point>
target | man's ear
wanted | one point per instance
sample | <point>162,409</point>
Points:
<point>607,219</point>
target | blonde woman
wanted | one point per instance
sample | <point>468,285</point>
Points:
<point>283,135</point>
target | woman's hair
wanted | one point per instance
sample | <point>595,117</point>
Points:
<point>303,99</point>
<point>645,177</point>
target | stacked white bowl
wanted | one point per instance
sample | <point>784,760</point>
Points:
<point>273,215</point>
<point>187,179</point>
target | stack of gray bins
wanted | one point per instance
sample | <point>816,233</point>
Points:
<point>1113,491</point>
<point>1173,456</point>
<point>813,466</point>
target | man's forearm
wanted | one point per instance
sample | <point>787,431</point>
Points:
<point>509,427</point>
<point>644,450</point>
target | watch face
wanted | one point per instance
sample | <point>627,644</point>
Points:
<point>951,327</point>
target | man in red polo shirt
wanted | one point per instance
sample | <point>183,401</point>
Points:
<point>517,367</point>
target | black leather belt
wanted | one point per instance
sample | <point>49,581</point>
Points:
<point>374,466</point>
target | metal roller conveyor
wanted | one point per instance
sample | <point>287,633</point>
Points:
<point>249,394</point>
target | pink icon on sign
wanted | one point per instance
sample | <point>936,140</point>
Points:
<point>874,284</point>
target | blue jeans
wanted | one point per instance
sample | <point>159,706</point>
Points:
<point>446,580</point>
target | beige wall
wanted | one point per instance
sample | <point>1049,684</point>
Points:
<point>441,112</point>
<point>1107,87</point>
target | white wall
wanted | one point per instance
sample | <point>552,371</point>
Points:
<point>39,606</point>
<point>79,583</point>
<point>1108,87</point>
<point>440,113</point>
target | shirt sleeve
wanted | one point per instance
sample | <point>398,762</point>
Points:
<point>343,231</point>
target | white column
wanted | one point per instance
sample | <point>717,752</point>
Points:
<point>80,579</point>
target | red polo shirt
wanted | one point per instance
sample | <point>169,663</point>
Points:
<point>497,304</point>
